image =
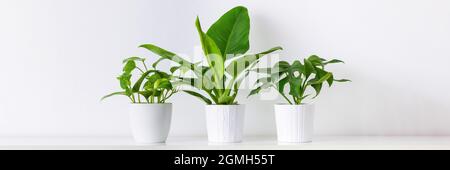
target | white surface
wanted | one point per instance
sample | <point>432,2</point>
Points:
<point>58,57</point>
<point>295,123</point>
<point>150,123</point>
<point>250,143</point>
<point>225,124</point>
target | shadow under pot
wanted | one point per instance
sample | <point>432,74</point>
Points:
<point>150,123</point>
<point>295,123</point>
<point>225,123</point>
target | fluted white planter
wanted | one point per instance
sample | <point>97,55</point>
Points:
<point>225,123</point>
<point>150,123</point>
<point>295,123</point>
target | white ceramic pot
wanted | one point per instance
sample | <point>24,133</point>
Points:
<point>295,123</point>
<point>150,123</point>
<point>225,123</point>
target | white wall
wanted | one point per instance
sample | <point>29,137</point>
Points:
<point>58,57</point>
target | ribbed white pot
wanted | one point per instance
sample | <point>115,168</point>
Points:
<point>150,123</point>
<point>295,123</point>
<point>225,123</point>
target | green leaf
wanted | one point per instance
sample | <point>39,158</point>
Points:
<point>282,83</point>
<point>316,60</point>
<point>243,63</point>
<point>174,69</point>
<point>321,80</point>
<point>146,94</point>
<point>113,94</point>
<point>129,67</point>
<point>155,64</point>
<point>330,80</point>
<point>309,68</point>
<point>295,85</point>
<point>282,66</point>
<point>165,84</point>
<point>137,85</point>
<point>333,62</point>
<point>153,78</point>
<point>320,73</point>
<point>166,54</point>
<point>265,84</point>
<point>343,80</point>
<point>297,67</point>
<point>206,100</point>
<point>162,84</point>
<point>255,91</point>
<point>212,52</point>
<point>125,81</point>
<point>133,59</point>
<point>317,88</point>
<point>231,32</point>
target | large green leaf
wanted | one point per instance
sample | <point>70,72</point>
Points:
<point>231,32</point>
<point>236,67</point>
<point>212,52</point>
<point>205,99</point>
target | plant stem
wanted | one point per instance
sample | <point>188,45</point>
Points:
<point>145,65</point>
<point>132,101</point>
<point>285,97</point>
<point>142,71</point>
<point>133,98</point>
<point>159,98</point>
<point>214,98</point>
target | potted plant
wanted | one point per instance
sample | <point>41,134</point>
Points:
<point>295,120</point>
<point>150,115</point>
<point>224,46</point>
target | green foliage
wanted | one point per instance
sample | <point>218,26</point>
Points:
<point>153,86</point>
<point>224,46</point>
<point>300,76</point>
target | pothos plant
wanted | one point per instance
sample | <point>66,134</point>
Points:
<point>224,46</point>
<point>300,77</point>
<point>153,86</point>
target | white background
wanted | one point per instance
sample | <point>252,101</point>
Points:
<point>58,57</point>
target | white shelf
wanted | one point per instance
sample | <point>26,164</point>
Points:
<point>200,143</point>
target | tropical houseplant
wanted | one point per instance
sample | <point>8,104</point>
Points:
<point>295,119</point>
<point>150,115</point>
<point>224,46</point>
